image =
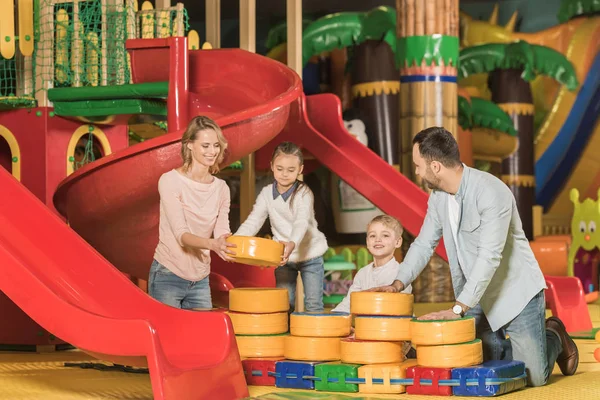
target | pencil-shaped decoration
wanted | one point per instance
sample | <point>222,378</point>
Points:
<point>428,54</point>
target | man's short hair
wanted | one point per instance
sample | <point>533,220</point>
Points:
<point>437,144</point>
<point>389,222</point>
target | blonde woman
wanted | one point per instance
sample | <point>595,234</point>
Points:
<point>194,219</point>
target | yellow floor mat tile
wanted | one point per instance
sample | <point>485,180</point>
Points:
<point>32,376</point>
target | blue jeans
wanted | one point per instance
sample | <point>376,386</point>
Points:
<point>312,272</point>
<point>528,340</point>
<point>168,288</point>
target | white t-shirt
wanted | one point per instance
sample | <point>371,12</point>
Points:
<point>453,215</point>
<point>370,277</point>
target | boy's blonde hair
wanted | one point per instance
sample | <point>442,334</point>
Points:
<point>389,222</point>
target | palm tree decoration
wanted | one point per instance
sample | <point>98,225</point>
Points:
<point>371,39</point>
<point>511,68</point>
<point>574,8</point>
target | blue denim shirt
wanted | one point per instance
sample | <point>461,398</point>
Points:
<point>501,272</point>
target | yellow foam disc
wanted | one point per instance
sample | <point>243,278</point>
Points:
<point>385,372</point>
<point>382,328</point>
<point>355,351</point>
<point>259,324</point>
<point>306,348</point>
<point>256,251</point>
<point>260,346</point>
<point>378,303</point>
<point>451,355</point>
<point>320,325</point>
<point>442,331</point>
<point>259,300</point>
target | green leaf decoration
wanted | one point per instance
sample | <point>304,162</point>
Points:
<point>345,29</point>
<point>574,8</point>
<point>278,34</point>
<point>465,113</point>
<point>487,114</point>
<point>533,59</point>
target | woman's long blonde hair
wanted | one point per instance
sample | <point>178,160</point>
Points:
<point>198,124</point>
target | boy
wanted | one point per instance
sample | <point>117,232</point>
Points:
<point>384,236</point>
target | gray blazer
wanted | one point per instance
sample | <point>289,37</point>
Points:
<point>501,272</point>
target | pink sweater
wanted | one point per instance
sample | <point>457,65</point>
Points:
<point>189,206</point>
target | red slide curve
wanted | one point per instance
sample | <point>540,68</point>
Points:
<point>63,284</point>
<point>71,289</point>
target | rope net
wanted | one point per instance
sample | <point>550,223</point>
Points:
<point>78,43</point>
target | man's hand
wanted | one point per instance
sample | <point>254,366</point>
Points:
<point>221,247</point>
<point>446,314</point>
<point>287,250</point>
<point>395,287</point>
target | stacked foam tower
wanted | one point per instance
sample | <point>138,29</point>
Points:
<point>382,332</point>
<point>312,353</point>
<point>449,362</point>
<point>319,354</point>
<point>442,346</point>
<point>260,323</point>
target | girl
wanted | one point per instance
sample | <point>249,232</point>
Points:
<point>194,205</point>
<point>288,203</point>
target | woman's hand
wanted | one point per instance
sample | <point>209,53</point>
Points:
<point>221,247</point>
<point>287,250</point>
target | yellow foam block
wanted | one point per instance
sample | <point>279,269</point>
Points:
<point>259,300</point>
<point>259,324</point>
<point>451,355</point>
<point>260,346</point>
<point>442,331</point>
<point>256,251</point>
<point>355,351</point>
<point>306,348</point>
<point>382,328</point>
<point>378,303</point>
<point>320,325</point>
<point>385,372</point>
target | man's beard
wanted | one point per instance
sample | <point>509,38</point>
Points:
<point>432,182</point>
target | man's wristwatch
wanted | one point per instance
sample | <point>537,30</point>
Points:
<point>458,310</point>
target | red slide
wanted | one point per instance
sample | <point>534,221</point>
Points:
<point>316,124</point>
<point>71,289</point>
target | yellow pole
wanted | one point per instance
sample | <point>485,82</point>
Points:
<point>294,61</point>
<point>247,42</point>
<point>213,23</point>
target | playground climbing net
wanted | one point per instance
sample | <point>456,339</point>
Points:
<point>78,43</point>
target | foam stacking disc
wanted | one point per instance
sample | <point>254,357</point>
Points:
<point>451,355</point>
<point>251,346</point>
<point>306,348</point>
<point>355,351</point>
<point>382,327</point>
<point>256,251</point>
<point>379,303</point>
<point>320,324</point>
<point>259,324</point>
<point>258,300</point>
<point>436,332</point>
